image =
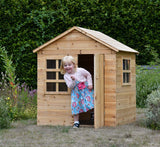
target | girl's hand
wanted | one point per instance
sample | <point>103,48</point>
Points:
<point>73,78</point>
<point>90,87</point>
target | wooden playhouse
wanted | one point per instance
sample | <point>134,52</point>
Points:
<point>112,65</point>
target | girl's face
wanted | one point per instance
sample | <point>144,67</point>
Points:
<point>69,67</point>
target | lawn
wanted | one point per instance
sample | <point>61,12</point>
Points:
<point>26,133</point>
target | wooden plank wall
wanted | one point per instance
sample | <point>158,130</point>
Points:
<point>51,109</point>
<point>54,110</point>
<point>126,94</point>
<point>75,43</point>
<point>110,89</point>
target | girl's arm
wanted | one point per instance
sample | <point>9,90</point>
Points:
<point>88,76</point>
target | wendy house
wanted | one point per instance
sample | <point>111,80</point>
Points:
<point>112,65</point>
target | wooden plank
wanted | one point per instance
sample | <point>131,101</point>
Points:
<point>66,120</point>
<point>128,120</point>
<point>110,97</point>
<point>126,111</point>
<point>110,105</point>
<point>76,51</point>
<point>54,122</point>
<point>58,106</point>
<point>110,89</point>
<point>54,113</point>
<point>99,91</point>
<point>54,117</point>
<point>60,51</point>
<point>75,44</point>
<point>63,102</point>
<point>110,123</point>
<point>110,119</point>
<point>126,116</point>
<point>75,35</point>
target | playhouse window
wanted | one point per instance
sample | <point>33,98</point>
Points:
<point>54,79</point>
<point>51,64</point>
<point>126,71</point>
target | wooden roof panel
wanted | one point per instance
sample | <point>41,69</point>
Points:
<point>96,35</point>
<point>109,41</point>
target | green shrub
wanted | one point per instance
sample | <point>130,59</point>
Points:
<point>29,113</point>
<point>26,104</point>
<point>147,80</point>
<point>22,99</point>
<point>153,110</point>
<point>5,119</point>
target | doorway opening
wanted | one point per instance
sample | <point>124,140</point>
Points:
<point>86,61</point>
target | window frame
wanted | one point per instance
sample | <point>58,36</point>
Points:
<point>126,71</point>
<point>56,80</point>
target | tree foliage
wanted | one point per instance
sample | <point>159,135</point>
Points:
<point>27,24</point>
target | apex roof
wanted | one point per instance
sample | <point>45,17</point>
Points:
<point>96,35</point>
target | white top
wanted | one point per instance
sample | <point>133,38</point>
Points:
<point>81,75</point>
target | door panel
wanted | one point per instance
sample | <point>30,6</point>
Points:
<point>99,90</point>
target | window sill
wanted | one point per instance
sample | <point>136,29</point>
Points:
<point>126,84</point>
<point>54,93</point>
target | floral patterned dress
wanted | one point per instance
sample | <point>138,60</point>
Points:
<point>82,98</point>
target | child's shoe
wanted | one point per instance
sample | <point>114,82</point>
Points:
<point>76,125</point>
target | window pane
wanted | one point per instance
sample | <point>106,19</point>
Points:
<point>126,64</point>
<point>59,63</point>
<point>63,87</point>
<point>51,86</point>
<point>51,64</point>
<point>126,77</point>
<point>60,76</point>
<point>51,75</point>
<point>123,64</point>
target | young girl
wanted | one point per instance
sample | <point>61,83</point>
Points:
<point>79,81</point>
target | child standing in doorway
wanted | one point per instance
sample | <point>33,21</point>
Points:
<point>79,80</point>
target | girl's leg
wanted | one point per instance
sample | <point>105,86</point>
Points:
<point>76,121</point>
<point>76,117</point>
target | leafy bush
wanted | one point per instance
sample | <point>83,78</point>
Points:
<point>153,110</point>
<point>5,119</point>
<point>26,103</point>
<point>10,72</point>
<point>147,80</point>
<point>22,100</point>
<point>24,107</point>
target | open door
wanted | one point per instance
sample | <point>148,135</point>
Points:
<point>99,91</point>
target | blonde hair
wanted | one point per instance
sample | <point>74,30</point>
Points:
<point>67,59</point>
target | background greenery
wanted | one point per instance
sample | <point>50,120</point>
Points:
<point>27,24</point>
<point>17,101</point>
<point>147,80</point>
<point>153,110</point>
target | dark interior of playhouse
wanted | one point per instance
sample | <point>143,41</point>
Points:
<point>86,61</point>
